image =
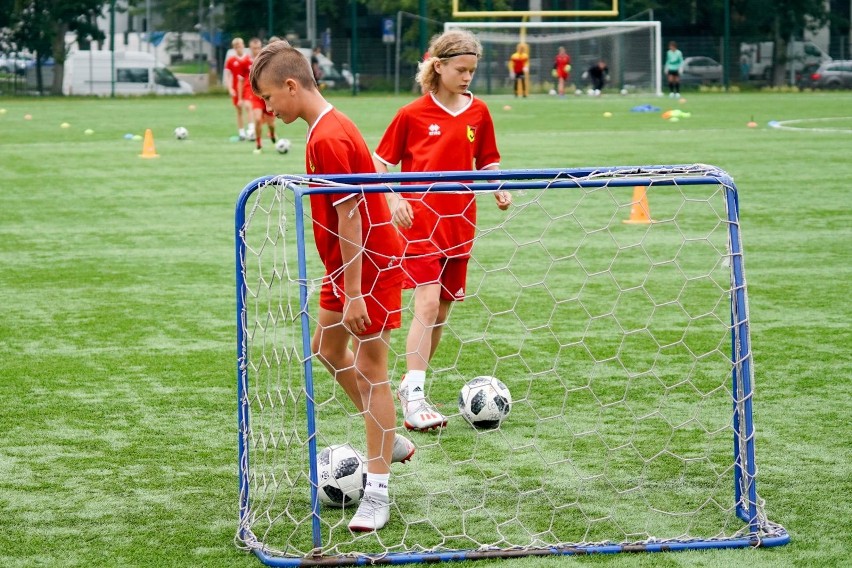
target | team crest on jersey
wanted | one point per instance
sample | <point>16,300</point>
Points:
<point>471,133</point>
<point>311,163</point>
<point>434,130</point>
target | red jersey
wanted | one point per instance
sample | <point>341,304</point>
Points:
<point>427,137</point>
<point>239,66</point>
<point>335,146</point>
<point>561,63</point>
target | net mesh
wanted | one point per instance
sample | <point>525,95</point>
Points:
<point>614,339</point>
<point>631,50</point>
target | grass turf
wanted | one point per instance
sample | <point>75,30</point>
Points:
<point>118,344</point>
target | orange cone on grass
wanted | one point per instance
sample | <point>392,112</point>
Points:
<point>148,150</point>
<point>640,212</point>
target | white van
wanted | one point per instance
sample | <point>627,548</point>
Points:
<point>136,73</point>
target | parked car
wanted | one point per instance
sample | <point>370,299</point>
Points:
<point>701,70</point>
<point>833,75</point>
<point>804,78</point>
<point>14,63</point>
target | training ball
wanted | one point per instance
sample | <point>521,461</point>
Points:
<point>578,92</point>
<point>88,132</point>
<point>28,117</point>
<point>485,402</point>
<point>282,145</point>
<point>607,114</point>
<point>507,107</point>
<point>623,91</point>
<point>681,100</point>
<point>181,133</point>
<point>341,475</point>
<point>2,111</point>
<point>752,124</point>
<point>552,91</point>
<point>191,107</point>
<point>64,125</point>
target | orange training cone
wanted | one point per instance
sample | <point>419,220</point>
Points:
<point>148,150</point>
<point>640,212</point>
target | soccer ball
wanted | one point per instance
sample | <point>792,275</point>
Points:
<point>181,133</point>
<point>485,402</point>
<point>341,475</point>
<point>282,145</point>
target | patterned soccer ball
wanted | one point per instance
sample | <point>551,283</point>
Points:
<point>282,145</point>
<point>181,133</point>
<point>341,475</point>
<point>485,402</point>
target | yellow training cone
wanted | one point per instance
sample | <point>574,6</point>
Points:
<point>148,150</point>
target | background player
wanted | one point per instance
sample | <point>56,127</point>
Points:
<point>445,129</point>
<point>361,292</point>
<point>259,113</point>
<point>519,68</point>
<point>562,67</point>
<point>674,63</point>
<point>597,75</point>
<point>236,78</point>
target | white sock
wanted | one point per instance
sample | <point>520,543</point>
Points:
<point>243,132</point>
<point>416,382</point>
<point>377,483</point>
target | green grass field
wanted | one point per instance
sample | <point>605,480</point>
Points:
<point>118,382</point>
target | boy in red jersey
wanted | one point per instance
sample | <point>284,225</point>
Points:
<point>445,129</point>
<point>562,67</point>
<point>236,77</point>
<point>360,249</point>
<point>259,114</point>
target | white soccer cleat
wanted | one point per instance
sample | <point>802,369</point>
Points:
<point>403,449</point>
<point>419,414</point>
<point>372,514</point>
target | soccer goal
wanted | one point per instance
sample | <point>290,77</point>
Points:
<point>612,304</point>
<point>632,50</point>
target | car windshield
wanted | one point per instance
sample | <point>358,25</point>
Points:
<point>164,77</point>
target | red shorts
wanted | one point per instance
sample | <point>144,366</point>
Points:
<point>384,303</point>
<point>450,273</point>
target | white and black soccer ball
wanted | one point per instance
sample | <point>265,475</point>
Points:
<point>341,475</point>
<point>181,133</point>
<point>485,402</point>
<point>282,145</point>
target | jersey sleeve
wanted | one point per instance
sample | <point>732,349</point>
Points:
<point>332,156</point>
<point>392,145</point>
<point>486,152</point>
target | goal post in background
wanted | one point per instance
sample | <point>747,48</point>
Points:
<point>632,49</point>
<point>518,8</point>
<point>625,346</point>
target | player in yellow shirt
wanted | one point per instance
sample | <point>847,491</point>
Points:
<point>519,69</point>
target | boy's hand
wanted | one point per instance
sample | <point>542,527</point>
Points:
<point>355,316</point>
<point>504,199</point>
<point>402,214</point>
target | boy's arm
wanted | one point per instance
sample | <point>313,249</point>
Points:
<point>503,197</point>
<point>355,316</point>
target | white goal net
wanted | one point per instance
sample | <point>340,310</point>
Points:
<point>624,345</point>
<point>631,49</point>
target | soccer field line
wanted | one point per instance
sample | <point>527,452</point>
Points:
<point>785,124</point>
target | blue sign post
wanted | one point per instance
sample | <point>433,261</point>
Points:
<point>388,32</point>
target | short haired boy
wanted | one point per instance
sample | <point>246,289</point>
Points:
<point>360,299</point>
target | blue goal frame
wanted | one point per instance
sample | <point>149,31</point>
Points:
<point>761,532</point>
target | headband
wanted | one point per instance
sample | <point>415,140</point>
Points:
<point>459,53</point>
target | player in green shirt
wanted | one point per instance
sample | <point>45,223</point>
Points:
<point>674,62</point>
